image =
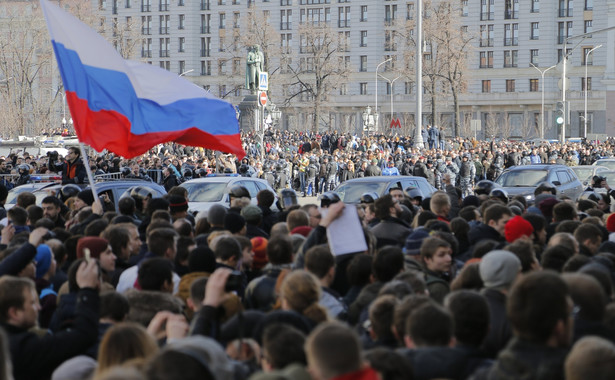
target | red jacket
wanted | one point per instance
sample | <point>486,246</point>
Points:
<point>367,373</point>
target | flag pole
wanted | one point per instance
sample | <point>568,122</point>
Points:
<point>84,158</point>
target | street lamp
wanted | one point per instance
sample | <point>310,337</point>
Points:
<point>368,119</point>
<point>376,83</point>
<point>542,103</point>
<point>186,72</point>
<point>391,81</point>
<point>585,114</point>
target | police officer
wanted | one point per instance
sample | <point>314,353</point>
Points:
<point>467,172</point>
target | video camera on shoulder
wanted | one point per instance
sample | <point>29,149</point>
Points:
<point>598,181</point>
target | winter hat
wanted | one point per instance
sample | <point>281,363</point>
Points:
<point>252,214</point>
<point>202,259</point>
<point>177,203</point>
<point>610,223</point>
<point>499,268</point>
<point>79,367</point>
<point>43,260</point>
<point>95,244</point>
<point>86,196</point>
<point>259,246</point>
<point>209,351</point>
<point>546,207</point>
<point>516,228</point>
<point>414,241</point>
<point>470,200</point>
<point>234,222</point>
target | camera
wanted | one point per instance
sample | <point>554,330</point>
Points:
<point>233,282</point>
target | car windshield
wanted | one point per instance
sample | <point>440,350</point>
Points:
<point>351,192</point>
<point>608,163</point>
<point>583,173</point>
<point>205,191</point>
<point>522,178</point>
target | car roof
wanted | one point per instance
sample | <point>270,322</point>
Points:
<point>383,178</point>
<point>224,179</point>
<point>537,167</point>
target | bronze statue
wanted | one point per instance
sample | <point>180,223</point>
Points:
<point>254,66</point>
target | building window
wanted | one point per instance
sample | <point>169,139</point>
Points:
<point>589,5</point>
<point>534,56</point>
<point>408,88</point>
<point>221,44</point>
<point>363,64</point>
<point>570,3</point>
<point>534,85</point>
<point>182,43</point>
<point>343,89</point>
<point>363,13</point>
<point>590,58</point>
<point>561,32</point>
<point>534,31</point>
<point>363,88</point>
<point>464,8</point>
<point>363,38</point>
<point>511,9</point>
<point>285,19</point>
<point>182,67</point>
<point>343,14</point>
<point>586,85</point>
<point>510,58</point>
<point>510,85</point>
<point>409,11</point>
<point>182,20</point>
<point>222,21</point>
<point>485,10</point>
<point>535,6</point>
<point>486,85</point>
<point>486,59</point>
<point>587,28</point>
<point>222,91</point>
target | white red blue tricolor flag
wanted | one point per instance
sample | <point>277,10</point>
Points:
<point>127,107</point>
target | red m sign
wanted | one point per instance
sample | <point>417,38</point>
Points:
<point>395,123</point>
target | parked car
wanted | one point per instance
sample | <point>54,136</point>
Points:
<point>213,189</point>
<point>608,162</point>
<point>113,189</point>
<point>523,180</point>
<point>585,173</point>
<point>350,191</point>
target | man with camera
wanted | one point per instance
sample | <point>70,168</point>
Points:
<point>72,169</point>
<point>599,182</point>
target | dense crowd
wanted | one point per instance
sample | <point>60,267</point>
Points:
<point>458,285</point>
<point>313,163</point>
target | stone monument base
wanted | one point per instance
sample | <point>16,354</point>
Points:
<point>250,117</point>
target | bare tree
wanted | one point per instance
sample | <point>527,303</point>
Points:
<point>126,38</point>
<point>446,46</point>
<point>320,70</point>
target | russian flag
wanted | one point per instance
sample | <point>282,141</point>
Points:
<point>127,107</point>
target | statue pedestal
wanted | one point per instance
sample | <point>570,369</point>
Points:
<point>251,117</point>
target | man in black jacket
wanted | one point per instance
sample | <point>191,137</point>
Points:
<point>72,169</point>
<point>37,357</point>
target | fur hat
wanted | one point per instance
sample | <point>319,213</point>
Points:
<point>517,227</point>
<point>499,268</point>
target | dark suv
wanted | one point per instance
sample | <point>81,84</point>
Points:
<point>523,180</point>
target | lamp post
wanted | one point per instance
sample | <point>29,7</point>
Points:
<point>186,72</point>
<point>368,119</point>
<point>391,81</point>
<point>542,103</point>
<point>376,83</point>
<point>585,114</point>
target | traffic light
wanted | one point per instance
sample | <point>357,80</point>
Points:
<point>560,113</point>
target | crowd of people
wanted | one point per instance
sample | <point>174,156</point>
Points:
<point>313,163</point>
<point>462,284</point>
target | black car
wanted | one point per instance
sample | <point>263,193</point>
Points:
<point>114,189</point>
<point>350,191</point>
<point>523,180</point>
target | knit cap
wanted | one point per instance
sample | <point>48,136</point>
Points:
<point>42,259</point>
<point>517,227</point>
<point>498,269</point>
<point>95,244</point>
<point>234,222</point>
<point>610,223</point>
<point>259,246</point>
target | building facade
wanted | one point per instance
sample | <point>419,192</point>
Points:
<point>206,40</point>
